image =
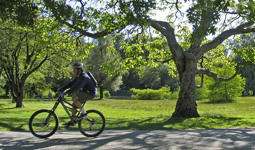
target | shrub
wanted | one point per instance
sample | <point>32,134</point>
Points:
<point>106,94</point>
<point>150,94</point>
<point>175,94</point>
<point>201,93</point>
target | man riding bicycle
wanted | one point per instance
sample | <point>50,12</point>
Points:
<point>88,91</point>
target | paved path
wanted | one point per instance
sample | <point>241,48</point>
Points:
<point>215,139</point>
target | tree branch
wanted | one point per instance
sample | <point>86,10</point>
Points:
<point>93,35</point>
<point>38,66</point>
<point>168,31</point>
<point>161,26</point>
<point>223,36</point>
<point>164,61</point>
<point>204,24</point>
<point>216,77</point>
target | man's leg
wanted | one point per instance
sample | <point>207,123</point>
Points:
<point>77,99</point>
<point>81,98</point>
<point>77,103</point>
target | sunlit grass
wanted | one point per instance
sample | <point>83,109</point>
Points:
<point>138,114</point>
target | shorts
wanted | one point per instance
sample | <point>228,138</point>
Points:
<point>84,96</point>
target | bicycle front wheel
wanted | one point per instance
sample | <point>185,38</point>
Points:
<point>43,123</point>
<point>93,124</point>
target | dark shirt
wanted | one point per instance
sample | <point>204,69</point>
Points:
<point>84,82</point>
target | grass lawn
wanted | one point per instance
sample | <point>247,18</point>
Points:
<point>138,114</point>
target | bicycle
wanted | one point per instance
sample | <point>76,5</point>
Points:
<point>44,123</point>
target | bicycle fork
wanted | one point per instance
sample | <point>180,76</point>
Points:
<point>46,122</point>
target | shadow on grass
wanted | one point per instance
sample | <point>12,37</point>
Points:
<point>179,123</point>
<point>14,124</point>
<point>7,108</point>
<point>152,123</point>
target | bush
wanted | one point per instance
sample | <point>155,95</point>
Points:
<point>106,94</point>
<point>174,95</point>
<point>201,93</point>
<point>149,94</point>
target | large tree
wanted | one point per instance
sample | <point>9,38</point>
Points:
<point>25,49</point>
<point>222,18</point>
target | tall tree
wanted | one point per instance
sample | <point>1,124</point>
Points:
<point>157,77</point>
<point>24,50</point>
<point>103,54</point>
<point>248,72</point>
<point>222,18</point>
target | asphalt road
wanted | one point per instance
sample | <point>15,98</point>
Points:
<point>214,139</point>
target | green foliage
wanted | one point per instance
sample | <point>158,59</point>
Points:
<point>221,91</point>
<point>156,77</point>
<point>175,94</point>
<point>225,91</point>
<point>2,92</point>
<point>106,93</point>
<point>150,94</point>
<point>32,48</point>
<point>22,11</point>
<point>201,93</point>
<point>104,63</point>
<point>243,46</point>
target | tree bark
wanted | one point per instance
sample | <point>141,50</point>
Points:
<point>186,105</point>
<point>19,102</point>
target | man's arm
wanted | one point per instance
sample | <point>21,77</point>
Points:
<point>77,86</point>
<point>68,85</point>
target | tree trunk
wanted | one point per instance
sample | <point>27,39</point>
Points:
<point>19,102</point>
<point>14,97</point>
<point>186,105</point>
<point>101,92</point>
<point>20,94</point>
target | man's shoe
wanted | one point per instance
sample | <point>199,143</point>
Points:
<point>68,124</point>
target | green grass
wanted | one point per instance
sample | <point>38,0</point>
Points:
<point>138,114</point>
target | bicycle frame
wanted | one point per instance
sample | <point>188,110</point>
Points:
<point>63,101</point>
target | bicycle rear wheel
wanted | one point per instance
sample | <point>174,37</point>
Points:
<point>93,124</point>
<point>43,123</point>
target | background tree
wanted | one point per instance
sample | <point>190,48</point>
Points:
<point>205,17</point>
<point>157,77</point>
<point>24,50</point>
<point>224,91</point>
<point>247,72</point>
<point>131,79</point>
<point>100,56</point>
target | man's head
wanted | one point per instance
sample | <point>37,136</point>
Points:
<point>77,68</point>
<point>77,65</point>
